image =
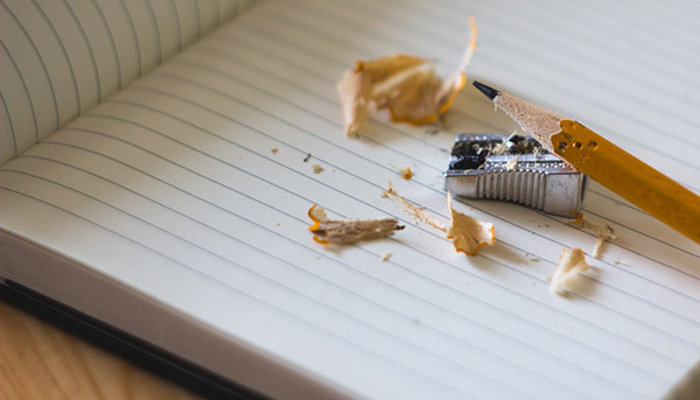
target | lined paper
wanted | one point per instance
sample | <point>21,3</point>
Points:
<point>62,57</point>
<point>178,168</point>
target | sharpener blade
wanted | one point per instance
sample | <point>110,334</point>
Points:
<point>479,168</point>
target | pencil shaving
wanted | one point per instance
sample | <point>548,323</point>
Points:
<point>417,212</point>
<point>327,231</point>
<point>571,263</point>
<point>404,84</point>
<point>406,173</point>
<point>467,233</point>
<point>605,233</point>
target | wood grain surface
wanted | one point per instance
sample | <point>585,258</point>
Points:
<point>39,361</point>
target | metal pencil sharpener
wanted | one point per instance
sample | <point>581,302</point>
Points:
<point>514,168</point>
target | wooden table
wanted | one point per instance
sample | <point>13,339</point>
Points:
<point>38,361</point>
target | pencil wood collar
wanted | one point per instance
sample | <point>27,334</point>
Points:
<point>629,177</point>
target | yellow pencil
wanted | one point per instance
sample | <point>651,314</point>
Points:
<point>605,163</point>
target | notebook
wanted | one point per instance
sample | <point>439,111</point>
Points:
<point>157,177</point>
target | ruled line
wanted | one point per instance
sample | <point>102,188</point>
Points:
<point>218,282</point>
<point>156,29</point>
<point>208,49</point>
<point>137,43</point>
<point>363,179</point>
<point>303,223</point>
<point>71,69</point>
<point>112,42</point>
<point>325,35</point>
<point>630,10</point>
<point>88,47</point>
<point>423,139</point>
<point>26,90</point>
<point>80,37</point>
<point>289,192</point>
<point>366,138</point>
<point>393,336</point>
<point>554,220</point>
<point>515,13</point>
<point>333,284</point>
<point>625,331</point>
<point>696,256</point>
<point>302,151</point>
<point>41,60</point>
<point>12,125</point>
<point>319,35</point>
<point>179,25</point>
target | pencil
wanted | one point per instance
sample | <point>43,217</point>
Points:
<point>605,163</point>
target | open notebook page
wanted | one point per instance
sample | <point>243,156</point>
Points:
<point>178,171</point>
<point>59,58</point>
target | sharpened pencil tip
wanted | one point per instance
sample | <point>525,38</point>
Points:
<point>490,92</point>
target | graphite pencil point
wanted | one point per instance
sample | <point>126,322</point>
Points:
<point>490,92</point>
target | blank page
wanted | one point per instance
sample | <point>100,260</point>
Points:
<point>199,176</point>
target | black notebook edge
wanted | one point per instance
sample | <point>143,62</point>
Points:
<point>123,345</point>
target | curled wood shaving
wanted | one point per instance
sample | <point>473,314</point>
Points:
<point>317,168</point>
<point>467,233</point>
<point>328,231</point>
<point>570,264</point>
<point>406,173</point>
<point>406,85</point>
<point>605,233</point>
<point>417,212</point>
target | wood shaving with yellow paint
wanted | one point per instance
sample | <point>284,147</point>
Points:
<point>406,85</point>
<point>327,231</point>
